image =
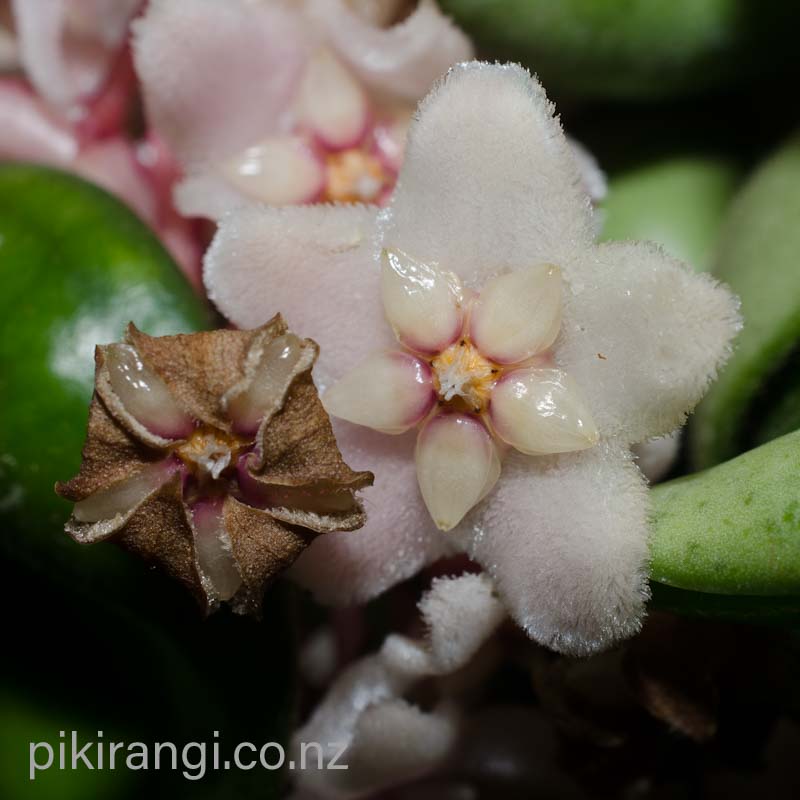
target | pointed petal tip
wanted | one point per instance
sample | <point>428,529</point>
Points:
<point>457,466</point>
<point>421,301</point>
<point>542,412</point>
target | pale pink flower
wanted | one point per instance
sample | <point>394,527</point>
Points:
<point>490,191</point>
<point>286,102</point>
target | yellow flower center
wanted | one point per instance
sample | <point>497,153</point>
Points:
<point>208,452</point>
<point>463,377</point>
<point>354,176</point>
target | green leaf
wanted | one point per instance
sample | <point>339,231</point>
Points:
<point>758,258</point>
<point>76,265</point>
<point>677,201</point>
<point>733,529</point>
<point>633,48</point>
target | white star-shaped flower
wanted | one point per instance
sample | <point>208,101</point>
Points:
<point>596,347</point>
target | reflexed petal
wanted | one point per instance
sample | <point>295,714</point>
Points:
<point>279,171</point>
<point>390,392</point>
<point>643,335</point>
<point>213,549</point>
<point>489,180</point>
<point>541,411</point>
<point>218,77</point>
<point>29,132</point>
<point>66,47</point>
<point>655,457</point>
<point>398,538</point>
<point>565,539</point>
<point>331,103</point>
<point>421,302</point>
<point>314,265</point>
<point>457,465</point>
<point>143,394</point>
<point>404,59</point>
<point>279,362</point>
<point>122,498</point>
<point>518,315</point>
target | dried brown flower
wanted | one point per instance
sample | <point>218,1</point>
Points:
<point>210,455</point>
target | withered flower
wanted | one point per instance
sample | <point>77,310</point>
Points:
<point>210,455</point>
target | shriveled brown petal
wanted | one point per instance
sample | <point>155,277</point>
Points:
<point>263,548</point>
<point>110,454</point>
<point>298,465</point>
<point>199,368</point>
<point>161,534</point>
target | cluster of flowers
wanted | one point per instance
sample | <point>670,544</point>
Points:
<point>424,218</point>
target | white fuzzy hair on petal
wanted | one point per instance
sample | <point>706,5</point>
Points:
<point>489,181</point>
<point>386,739</point>
<point>565,539</point>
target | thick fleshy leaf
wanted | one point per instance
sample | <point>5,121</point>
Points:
<point>733,529</point>
<point>643,336</point>
<point>565,539</point>
<point>201,62</point>
<point>422,302</point>
<point>143,394</point>
<point>212,544</point>
<point>389,740</point>
<point>457,466</point>
<point>398,538</point>
<point>489,181</point>
<point>541,412</point>
<point>518,315</point>
<point>389,392</point>
<point>315,266</point>
<point>331,103</point>
<point>67,47</point>
<point>279,171</point>
<point>402,59</point>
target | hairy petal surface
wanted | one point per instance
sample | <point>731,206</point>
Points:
<point>201,62</point>
<point>388,739</point>
<point>489,180</point>
<point>403,59</point>
<point>316,266</point>
<point>643,336</point>
<point>398,538</point>
<point>565,539</point>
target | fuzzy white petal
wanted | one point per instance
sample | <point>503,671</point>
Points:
<point>389,740</point>
<point>389,392</point>
<point>331,103</point>
<point>643,336</point>
<point>403,59</point>
<point>315,266</point>
<point>398,538</point>
<point>279,171</point>
<point>218,77</point>
<point>541,411</point>
<point>518,315</point>
<point>457,465</point>
<point>422,302</point>
<point>565,539</point>
<point>489,181</point>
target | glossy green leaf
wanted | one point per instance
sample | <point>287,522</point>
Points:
<point>758,258</point>
<point>733,529</point>
<point>633,48</point>
<point>75,265</point>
